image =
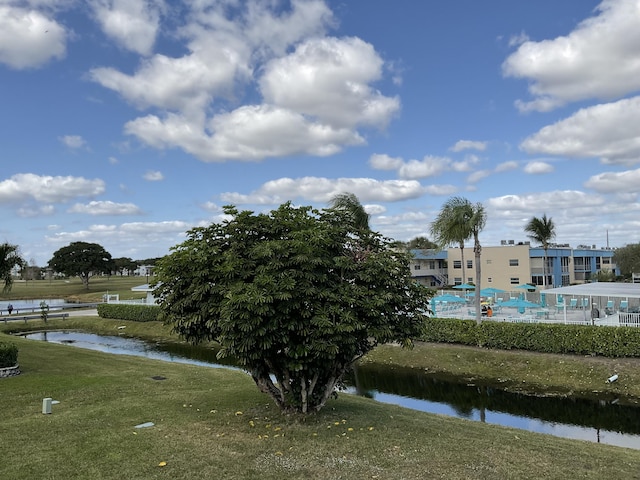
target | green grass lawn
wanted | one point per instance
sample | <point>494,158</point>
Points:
<point>73,290</point>
<point>213,423</point>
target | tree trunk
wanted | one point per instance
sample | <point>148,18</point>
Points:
<point>477,249</point>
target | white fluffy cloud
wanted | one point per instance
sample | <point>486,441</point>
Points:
<point>319,189</point>
<point>132,23</point>
<point>316,91</point>
<point>468,145</point>
<point>47,189</point>
<point>105,208</point>
<point>599,59</point>
<point>29,38</point>
<point>153,176</point>
<point>328,79</point>
<point>615,182</point>
<point>73,141</point>
<point>537,167</point>
<point>608,131</point>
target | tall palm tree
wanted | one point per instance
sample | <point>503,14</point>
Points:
<point>449,227</point>
<point>349,202</point>
<point>542,230</point>
<point>458,221</point>
<point>9,258</point>
<point>477,221</point>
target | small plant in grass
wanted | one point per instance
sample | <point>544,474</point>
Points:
<point>44,311</point>
<point>8,354</point>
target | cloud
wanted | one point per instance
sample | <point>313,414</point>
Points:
<point>518,39</point>
<point>28,38</point>
<point>32,211</point>
<point>506,166</point>
<point>47,189</point>
<point>538,167</point>
<point>105,208</point>
<point>590,62</point>
<point>429,166</point>
<point>133,24</point>
<point>615,182</point>
<point>73,141</point>
<point>477,176</point>
<point>319,189</point>
<point>315,91</point>
<point>468,145</point>
<point>153,176</point>
<point>441,190</point>
<point>608,131</point>
<point>248,133</point>
<point>556,201</point>
<point>379,161</point>
<point>328,79</point>
<point>133,239</point>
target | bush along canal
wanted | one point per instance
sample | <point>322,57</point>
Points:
<point>593,419</point>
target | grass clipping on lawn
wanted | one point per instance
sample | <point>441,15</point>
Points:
<point>213,423</point>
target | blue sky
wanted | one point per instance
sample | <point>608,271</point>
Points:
<point>127,122</point>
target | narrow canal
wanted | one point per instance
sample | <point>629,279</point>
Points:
<point>597,420</point>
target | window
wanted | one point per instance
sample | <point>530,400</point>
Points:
<point>514,280</point>
<point>489,262</point>
<point>457,281</point>
<point>513,262</point>
<point>416,267</point>
<point>489,280</point>
<point>457,264</point>
<point>432,265</point>
<point>469,263</point>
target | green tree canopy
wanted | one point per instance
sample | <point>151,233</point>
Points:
<point>296,294</point>
<point>627,259</point>
<point>123,264</point>
<point>82,259</point>
<point>9,258</point>
<point>421,243</point>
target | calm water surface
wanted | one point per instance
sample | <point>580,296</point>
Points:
<point>596,420</point>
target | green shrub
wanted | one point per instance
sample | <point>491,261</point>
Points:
<point>537,337</point>
<point>8,355</point>
<point>135,313</point>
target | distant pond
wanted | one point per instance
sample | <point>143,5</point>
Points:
<point>595,420</point>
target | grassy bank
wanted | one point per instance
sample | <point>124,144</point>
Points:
<point>529,372</point>
<point>73,290</point>
<point>213,423</point>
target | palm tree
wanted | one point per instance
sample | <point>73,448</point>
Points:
<point>458,221</point>
<point>542,230</point>
<point>350,203</point>
<point>9,258</point>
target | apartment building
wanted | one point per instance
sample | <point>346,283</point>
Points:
<point>511,264</point>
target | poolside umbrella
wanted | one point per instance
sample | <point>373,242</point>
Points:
<point>490,292</point>
<point>447,297</point>
<point>520,304</point>
<point>527,288</point>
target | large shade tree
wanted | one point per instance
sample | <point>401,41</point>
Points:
<point>82,259</point>
<point>296,295</point>
<point>9,258</point>
<point>627,259</point>
<point>458,221</point>
<point>543,231</point>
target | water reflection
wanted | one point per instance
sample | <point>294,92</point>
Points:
<point>597,419</point>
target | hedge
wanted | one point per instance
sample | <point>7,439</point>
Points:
<point>136,313</point>
<point>537,337</point>
<point>8,355</point>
